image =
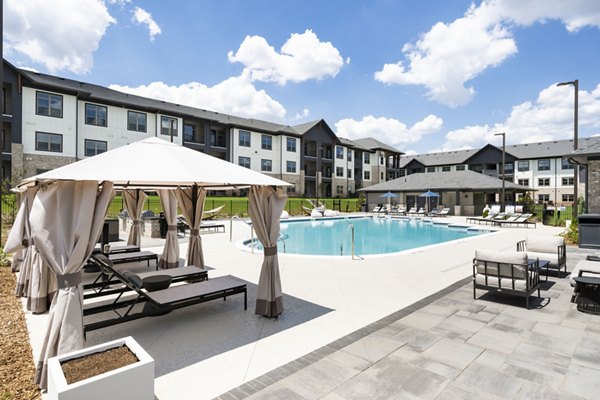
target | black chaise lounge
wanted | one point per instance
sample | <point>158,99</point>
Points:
<point>160,301</point>
<point>105,282</point>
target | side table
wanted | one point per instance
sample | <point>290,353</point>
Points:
<point>588,300</point>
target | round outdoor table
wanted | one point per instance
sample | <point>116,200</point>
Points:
<point>588,300</point>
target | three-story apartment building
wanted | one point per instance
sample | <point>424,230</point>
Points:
<point>50,121</point>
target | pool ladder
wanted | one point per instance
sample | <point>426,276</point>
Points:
<point>237,218</point>
<point>354,256</point>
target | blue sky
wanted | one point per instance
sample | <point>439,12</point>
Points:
<point>422,75</point>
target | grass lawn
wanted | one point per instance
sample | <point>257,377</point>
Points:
<point>239,205</point>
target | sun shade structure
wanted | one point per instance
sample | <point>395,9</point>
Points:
<point>154,163</point>
<point>70,206</point>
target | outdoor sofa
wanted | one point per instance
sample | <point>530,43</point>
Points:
<point>513,273</point>
<point>550,248</point>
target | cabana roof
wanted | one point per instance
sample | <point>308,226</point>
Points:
<point>155,163</point>
<point>464,181</point>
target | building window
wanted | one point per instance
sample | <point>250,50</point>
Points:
<point>523,182</point>
<point>339,152</point>
<point>523,165</point>
<point>367,175</point>
<point>291,144</point>
<point>568,181</point>
<point>381,177</point>
<point>168,126</point>
<point>566,165</point>
<point>267,142</point>
<point>95,114</point>
<point>244,138</point>
<point>290,166</point>
<point>339,172</point>
<point>349,173</point>
<point>508,168</point>
<point>48,104</point>
<point>445,168</point>
<point>568,198</point>
<point>291,189</point>
<point>544,165</point>
<point>367,158</point>
<point>381,160</point>
<point>340,189</point>
<point>349,155</point>
<point>136,121</point>
<point>244,162</point>
<point>93,147</point>
<point>48,142</point>
<point>543,181</point>
<point>543,198</point>
<point>266,165</point>
<point>460,167</point>
<point>218,137</point>
<point>430,169</point>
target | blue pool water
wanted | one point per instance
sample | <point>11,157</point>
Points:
<point>371,236</point>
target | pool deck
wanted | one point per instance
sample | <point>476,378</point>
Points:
<point>218,349</point>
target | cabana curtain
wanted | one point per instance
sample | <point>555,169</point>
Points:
<point>191,202</point>
<point>170,255</point>
<point>265,206</point>
<point>66,222</point>
<point>134,203</point>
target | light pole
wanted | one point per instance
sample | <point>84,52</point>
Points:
<point>503,134</point>
<point>575,84</point>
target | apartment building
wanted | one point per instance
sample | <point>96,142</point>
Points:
<point>543,167</point>
<point>49,121</point>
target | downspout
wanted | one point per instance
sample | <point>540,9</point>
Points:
<point>76,126</point>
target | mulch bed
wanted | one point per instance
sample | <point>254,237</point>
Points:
<point>17,370</point>
<point>78,369</point>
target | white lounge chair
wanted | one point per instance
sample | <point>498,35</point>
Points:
<point>208,214</point>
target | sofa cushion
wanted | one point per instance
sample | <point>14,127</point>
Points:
<point>510,263</point>
<point>503,283</point>
<point>552,257</point>
<point>585,265</point>
<point>543,244</point>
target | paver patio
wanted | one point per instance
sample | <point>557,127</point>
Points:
<point>450,346</point>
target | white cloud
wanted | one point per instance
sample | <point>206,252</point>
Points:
<point>388,130</point>
<point>119,2</point>
<point>305,113</point>
<point>549,117</point>
<point>58,34</point>
<point>235,95</point>
<point>450,55</point>
<point>141,16</point>
<point>302,57</point>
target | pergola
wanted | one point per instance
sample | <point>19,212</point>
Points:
<point>61,218</point>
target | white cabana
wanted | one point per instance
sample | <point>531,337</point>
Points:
<point>152,164</point>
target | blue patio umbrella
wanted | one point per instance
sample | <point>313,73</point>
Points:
<point>389,195</point>
<point>429,194</point>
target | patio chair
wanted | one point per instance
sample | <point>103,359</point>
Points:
<point>413,210</point>
<point>510,272</point>
<point>519,220</point>
<point>550,248</point>
<point>162,301</point>
<point>591,265</point>
<point>486,219</point>
<point>209,214</point>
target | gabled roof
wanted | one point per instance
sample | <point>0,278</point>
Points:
<point>589,148</point>
<point>305,127</point>
<point>469,181</point>
<point>442,158</point>
<point>489,146</point>
<point>374,144</point>
<point>556,148</point>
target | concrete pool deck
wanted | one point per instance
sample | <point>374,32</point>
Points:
<point>205,350</point>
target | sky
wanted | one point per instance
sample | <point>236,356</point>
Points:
<point>420,75</point>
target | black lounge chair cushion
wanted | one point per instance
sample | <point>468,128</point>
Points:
<point>134,279</point>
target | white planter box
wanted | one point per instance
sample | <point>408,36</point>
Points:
<point>134,381</point>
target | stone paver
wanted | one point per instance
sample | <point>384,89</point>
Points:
<point>452,346</point>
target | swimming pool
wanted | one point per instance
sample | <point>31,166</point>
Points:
<point>332,237</point>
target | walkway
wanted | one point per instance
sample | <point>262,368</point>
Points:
<point>450,346</point>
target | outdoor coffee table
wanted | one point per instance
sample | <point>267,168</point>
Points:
<point>588,300</point>
<point>544,264</point>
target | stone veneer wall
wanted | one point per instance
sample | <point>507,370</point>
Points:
<point>17,161</point>
<point>34,162</point>
<point>594,186</point>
